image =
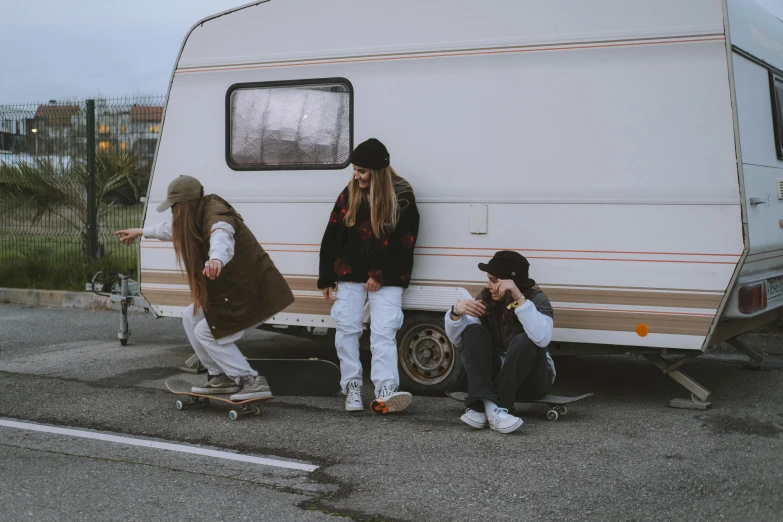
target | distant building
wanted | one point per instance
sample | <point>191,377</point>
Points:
<point>54,120</point>
<point>61,128</point>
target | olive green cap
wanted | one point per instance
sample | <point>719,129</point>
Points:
<point>183,188</point>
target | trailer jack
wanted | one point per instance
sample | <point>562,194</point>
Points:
<point>743,348</point>
<point>120,289</point>
<point>699,394</point>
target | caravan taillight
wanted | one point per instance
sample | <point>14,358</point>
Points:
<point>752,298</point>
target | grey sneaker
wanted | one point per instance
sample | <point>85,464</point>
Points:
<point>390,400</point>
<point>353,399</point>
<point>216,385</point>
<point>252,388</point>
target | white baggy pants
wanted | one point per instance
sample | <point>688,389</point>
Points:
<point>217,356</point>
<point>385,319</point>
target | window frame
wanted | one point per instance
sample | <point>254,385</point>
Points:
<point>776,79</point>
<point>288,83</point>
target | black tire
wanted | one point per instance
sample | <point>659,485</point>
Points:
<point>124,342</point>
<point>427,360</point>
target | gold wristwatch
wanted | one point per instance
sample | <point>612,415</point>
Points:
<point>517,304</point>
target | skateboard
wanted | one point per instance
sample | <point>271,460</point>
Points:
<point>299,377</point>
<point>555,403</point>
<point>199,400</point>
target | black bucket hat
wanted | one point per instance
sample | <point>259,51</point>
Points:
<point>507,264</point>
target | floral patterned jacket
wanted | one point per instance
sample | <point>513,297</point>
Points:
<point>355,254</point>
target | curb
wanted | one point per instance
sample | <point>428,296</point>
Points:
<point>54,298</point>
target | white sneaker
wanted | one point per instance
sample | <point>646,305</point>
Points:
<point>503,422</point>
<point>390,400</point>
<point>474,419</point>
<point>353,399</point>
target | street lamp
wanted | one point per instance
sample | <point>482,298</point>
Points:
<point>35,131</point>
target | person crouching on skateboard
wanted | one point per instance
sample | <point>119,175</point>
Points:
<point>233,283</point>
<point>504,333</point>
<point>367,255</point>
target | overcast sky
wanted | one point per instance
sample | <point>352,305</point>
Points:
<point>65,49</point>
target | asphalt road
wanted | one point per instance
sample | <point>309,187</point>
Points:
<point>620,455</point>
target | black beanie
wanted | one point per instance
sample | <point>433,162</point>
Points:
<point>508,264</point>
<point>371,154</point>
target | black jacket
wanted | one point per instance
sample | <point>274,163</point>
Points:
<point>355,254</point>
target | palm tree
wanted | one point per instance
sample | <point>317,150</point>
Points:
<point>46,187</point>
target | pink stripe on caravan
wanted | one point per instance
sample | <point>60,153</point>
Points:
<point>163,245</point>
<point>418,56</point>
<point>596,259</point>
<point>630,311</point>
<point>583,251</point>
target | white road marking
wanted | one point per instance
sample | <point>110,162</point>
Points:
<point>157,445</point>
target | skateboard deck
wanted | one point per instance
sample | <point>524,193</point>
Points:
<point>556,403</point>
<point>200,400</point>
<point>299,377</point>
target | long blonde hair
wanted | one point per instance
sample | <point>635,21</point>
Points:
<point>385,210</point>
<point>190,248</point>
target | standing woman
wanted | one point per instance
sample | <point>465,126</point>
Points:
<point>233,283</point>
<point>367,254</point>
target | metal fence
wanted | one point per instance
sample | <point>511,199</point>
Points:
<point>72,173</point>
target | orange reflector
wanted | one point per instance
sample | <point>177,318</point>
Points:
<point>642,330</point>
<point>752,298</point>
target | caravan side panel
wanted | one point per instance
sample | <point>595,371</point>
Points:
<point>602,147</point>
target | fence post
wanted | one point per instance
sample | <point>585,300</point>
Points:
<point>92,221</point>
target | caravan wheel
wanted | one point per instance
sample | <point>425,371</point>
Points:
<point>428,361</point>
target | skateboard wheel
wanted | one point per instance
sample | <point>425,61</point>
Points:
<point>256,411</point>
<point>233,415</point>
<point>124,342</point>
<point>552,415</point>
<point>179,405</point>
<point>562,410</point>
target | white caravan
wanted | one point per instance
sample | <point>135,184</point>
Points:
<point>632,151</point>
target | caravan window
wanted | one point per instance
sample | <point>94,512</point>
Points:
<point>290,125</point>
<point>777,111</point>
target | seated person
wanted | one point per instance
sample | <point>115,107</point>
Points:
<point>503,333</point>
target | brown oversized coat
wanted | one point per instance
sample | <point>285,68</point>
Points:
<point>249,289</point>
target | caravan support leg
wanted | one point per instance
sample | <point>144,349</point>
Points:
<point>747,350</point>
<point>699,394</point>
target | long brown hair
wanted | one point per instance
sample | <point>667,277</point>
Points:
<point>385,210</point>
<point>500,308</point>
<point>190,248</point>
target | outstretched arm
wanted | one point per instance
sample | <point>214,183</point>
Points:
<point>160,231</point>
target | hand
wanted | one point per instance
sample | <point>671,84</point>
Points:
<point>372,285</point>
<point>212,268</point>
<point>508,286</point>
<point>328,292</point>
<point>128,236</point>
<point>472,307</point>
